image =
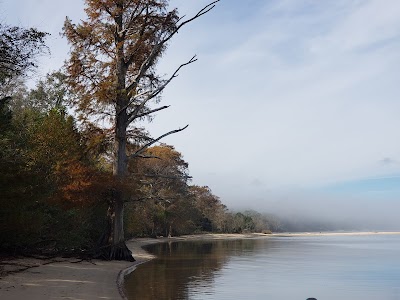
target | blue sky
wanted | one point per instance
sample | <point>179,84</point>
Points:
<point>290,99</point>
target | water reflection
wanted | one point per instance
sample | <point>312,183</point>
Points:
<point>329,268</point>
<point>182,267</point>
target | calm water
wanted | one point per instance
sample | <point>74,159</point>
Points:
<point>294,268</point>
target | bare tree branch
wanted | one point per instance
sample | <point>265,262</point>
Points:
<point>201,12</point>
<point>151,94</point>
<point>145,65</point>
<point>107,10</point>
<point>140,199</point>
<point>160,176</point>
<point>160,42</point>
<point>175,74</point>
<point>167,176</point>
<point>147,145</point>
<point>133,18</point>
<point>129,60</point>
<point>148,156</point>
<point>133,100</point>
<point>158,198</point>
<point>147,113</point>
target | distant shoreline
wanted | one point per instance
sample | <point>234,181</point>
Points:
<point>57,277</point>
<point>339,233</point>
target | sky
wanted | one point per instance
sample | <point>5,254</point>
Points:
<point>292,105</point>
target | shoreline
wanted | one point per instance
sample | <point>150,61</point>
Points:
<point>335,233</point>
<point>136,245</point>
<point>39,279</point>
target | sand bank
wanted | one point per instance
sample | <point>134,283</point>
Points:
<point>59,278</point>
<point>63,279</point>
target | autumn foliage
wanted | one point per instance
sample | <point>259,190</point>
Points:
<point>77,172</point>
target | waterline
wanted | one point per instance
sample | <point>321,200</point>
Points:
<point>324,267</point>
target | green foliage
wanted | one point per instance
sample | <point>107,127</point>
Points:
<point>53,193</point>
<point>50,93</point>
<point>55,180</point>
<point>18,183</point>
<point>5,116</point>
<point>42,164</point>
<point>50,188</point>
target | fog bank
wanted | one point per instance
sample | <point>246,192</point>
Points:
<point>369,212</point>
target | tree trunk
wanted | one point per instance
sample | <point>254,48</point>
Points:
<point>112,243</point>
<point>116,248</point>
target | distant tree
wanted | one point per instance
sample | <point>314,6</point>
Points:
<point>112,69</point>
<point>260,221</point>
<point>19,49</point>
<point>213,212</point>
<point>242,223</point>
<point>50,93</point>
<point>163,186</point>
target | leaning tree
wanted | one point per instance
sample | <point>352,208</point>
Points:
<point>112,69</point>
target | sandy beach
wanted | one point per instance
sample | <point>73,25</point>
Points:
<point>59,278</point>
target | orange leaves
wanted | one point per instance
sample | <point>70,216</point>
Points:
<point>167,156</point>
<point>57,152</point>
<point>75,181</point>
<point>209,205</point>
<point>166,173</point>
<point>79,184</point>
<point>97,141</point>
<point>116,33</point>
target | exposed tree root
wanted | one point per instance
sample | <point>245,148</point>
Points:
<point>116,252</point>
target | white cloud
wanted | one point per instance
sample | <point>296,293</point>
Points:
<point>294,104</point>
<point>291,92</point>
<point>371,23</point>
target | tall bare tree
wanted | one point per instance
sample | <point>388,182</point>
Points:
<point>112,70</point>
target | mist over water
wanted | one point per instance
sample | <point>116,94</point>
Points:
<point>372,212</point>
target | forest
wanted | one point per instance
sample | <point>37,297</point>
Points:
<point>79,174</point>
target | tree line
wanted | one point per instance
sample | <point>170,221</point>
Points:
<point>77,172</point>
<point>56,182</point>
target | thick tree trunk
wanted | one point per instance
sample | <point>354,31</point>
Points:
<point>116,248</point>
<point>113,245</point>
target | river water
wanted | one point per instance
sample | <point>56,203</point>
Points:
<point>275,268</point>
